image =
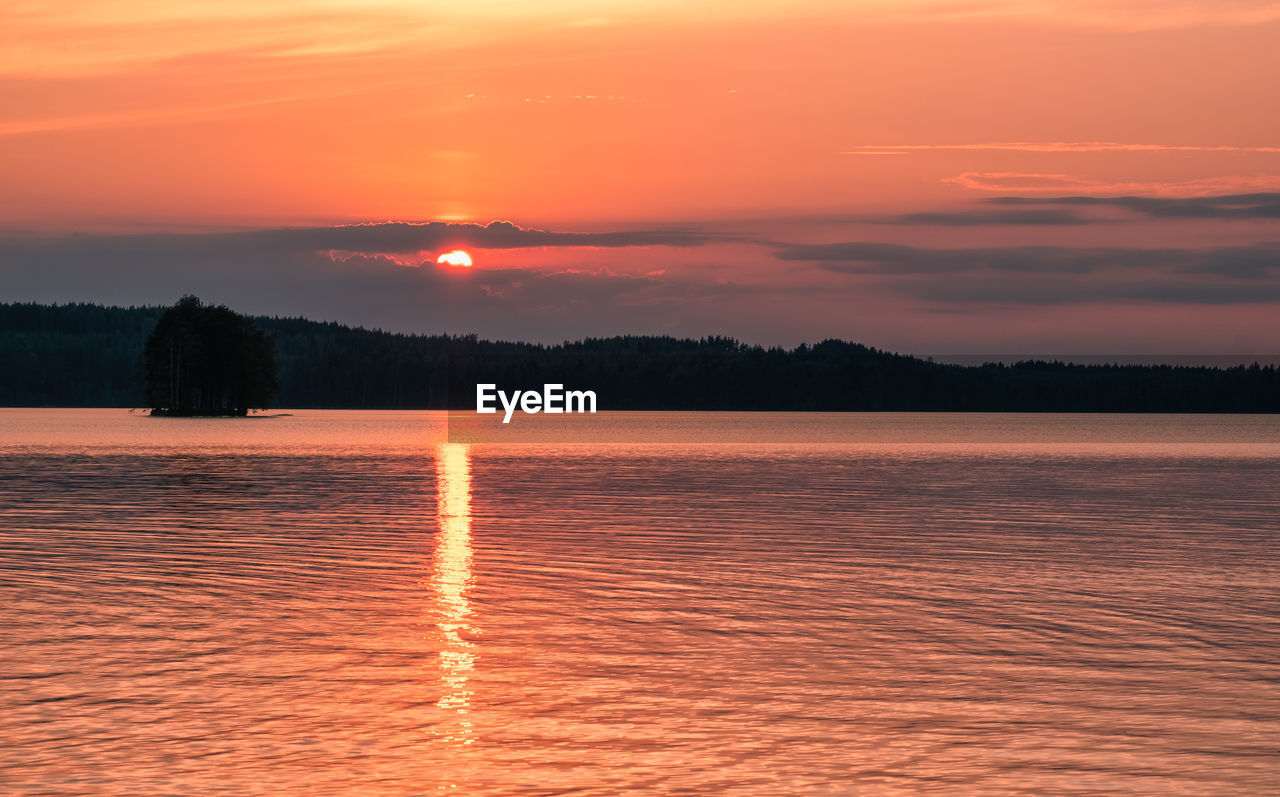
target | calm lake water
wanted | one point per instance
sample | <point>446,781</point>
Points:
<point>342,603</point>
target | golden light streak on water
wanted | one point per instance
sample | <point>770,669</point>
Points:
<point>450,580</point>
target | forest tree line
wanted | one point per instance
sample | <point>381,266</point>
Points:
<point>84,355</point>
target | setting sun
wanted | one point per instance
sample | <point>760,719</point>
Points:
<point>455,258</point>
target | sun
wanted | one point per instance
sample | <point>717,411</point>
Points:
<point>455,258</point>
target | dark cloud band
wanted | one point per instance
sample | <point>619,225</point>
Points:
<point>1229,206</point>
<point>1239,262</point>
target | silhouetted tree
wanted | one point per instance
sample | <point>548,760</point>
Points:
<point>208,360</point>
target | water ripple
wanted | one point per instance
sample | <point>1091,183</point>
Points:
<point>698,619</point>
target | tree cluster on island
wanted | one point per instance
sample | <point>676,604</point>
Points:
<point>207,360</point>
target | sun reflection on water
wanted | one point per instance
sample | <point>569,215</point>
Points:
<point>451,579</point>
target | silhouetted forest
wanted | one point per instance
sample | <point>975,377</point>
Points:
<point>85,355</point>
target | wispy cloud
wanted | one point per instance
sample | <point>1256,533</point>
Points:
<point>861,257</point>
<point>1058,290</point>
<point>376,238</point>
<point>1122,15</point>
<point>976,218</point>
<point>1054,147</point>
<point>1045,275</point>
<point>1035,182</point>
<point>1064,210</point>
<point>128,118</point>
<point>88,37</point>
<point>1230,206</point>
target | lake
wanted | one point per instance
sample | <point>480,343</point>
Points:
<point>739,604</point>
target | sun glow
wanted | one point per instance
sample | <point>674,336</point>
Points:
<point>457,258</point>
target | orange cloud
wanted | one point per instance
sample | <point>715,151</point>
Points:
<point>1023,182</point>
<point>1053,146</point>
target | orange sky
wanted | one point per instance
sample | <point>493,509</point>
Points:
<point>151,113</point>
<point>802,121</point>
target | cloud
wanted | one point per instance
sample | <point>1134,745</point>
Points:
<point>88,37</point>
<point>1229,206</point>
<point>1057,275</point>
<point>1044,217</point>
<point>299,272</point>
<point>1033,182</point>
<point>1125,15</point>
<point>391,237</point>
<point>128,118</point>
<point>1062,210</point>
<point>1054,147</point>
<point>379,238</point>
<point>1245,262</point>
<point>296,272</point>
<point>882,258</point>
<point>953,291</point>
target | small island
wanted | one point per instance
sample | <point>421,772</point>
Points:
<point>208,361</point>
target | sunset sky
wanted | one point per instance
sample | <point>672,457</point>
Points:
<point>998,176</point>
